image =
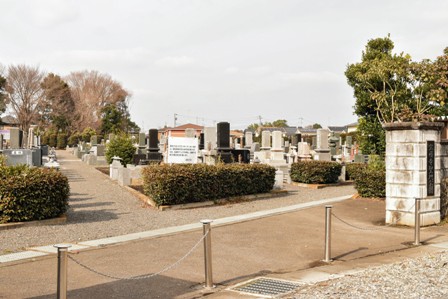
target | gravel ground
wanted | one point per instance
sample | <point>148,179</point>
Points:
<point>423,277</point>
<point>101,208</point>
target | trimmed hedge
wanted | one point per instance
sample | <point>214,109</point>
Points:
<point>186,183</point>
<point>371,183</point>
<point>352,170</point>
<point>28,194</point>
<point>315,172</point>
<point>371,180</point>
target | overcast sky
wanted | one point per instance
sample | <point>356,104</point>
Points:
<point>220,60</point>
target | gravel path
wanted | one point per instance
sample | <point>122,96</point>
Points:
<point>101,208</point>
<point>423,277</point>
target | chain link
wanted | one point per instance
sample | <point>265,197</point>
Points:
<point>144,276</point>
<point>372,228</point>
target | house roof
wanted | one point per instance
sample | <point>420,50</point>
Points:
<point>9,120</point>
<point>306,130</point>
<point>289,131</point>
<point>355,124</point>
<point>188,126</point>
<point>182,128</point>
<point>337,128</point>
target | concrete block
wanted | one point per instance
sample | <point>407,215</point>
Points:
<point>409,191</point>
<point>90,159</point>
<point>407,205</point>
<point>402,218</point>
<point>124,177</point>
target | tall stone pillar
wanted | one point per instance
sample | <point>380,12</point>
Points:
<point>413,170</point>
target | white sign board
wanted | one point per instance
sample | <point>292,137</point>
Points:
<point>6,134</point>
<point>182,150</point>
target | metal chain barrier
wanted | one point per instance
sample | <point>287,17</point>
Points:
<point>371,228</point>
<point>144,276</point>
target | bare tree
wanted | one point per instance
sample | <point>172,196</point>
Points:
<point>24,92</point>
<point>91,92</point>
<point>3,96</point>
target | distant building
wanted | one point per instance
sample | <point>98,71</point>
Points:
<point>287,131</point>
<point>353,127</point>
<point>179,131</point>
<point>338,130</point>
<point>8,121</point>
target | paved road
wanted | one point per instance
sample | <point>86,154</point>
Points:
<point>100,208</point>
<point>286,245</point>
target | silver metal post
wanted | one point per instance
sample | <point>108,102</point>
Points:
<point>62,270</point>
<point>327,258</point>
<point>417,222</point>
<point>206,228</point>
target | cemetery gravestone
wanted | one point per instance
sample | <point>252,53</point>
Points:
<point>265,140</point>
<point>153,150</point>
<point>248,139</point>
<point>210,138</point>
<point>14,138</point>
<point>223,138</point>
<point>93,140</point>
<point>322,150</point>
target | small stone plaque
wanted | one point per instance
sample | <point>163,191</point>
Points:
<point>430,168</point>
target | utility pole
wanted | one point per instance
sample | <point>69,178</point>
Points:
<point>259,117</point>
<point>175,119</point>
<point>301,121</point>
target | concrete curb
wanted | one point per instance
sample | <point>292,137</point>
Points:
<point>149,201</point>
<point>53,221</point>
<point>321,186</point>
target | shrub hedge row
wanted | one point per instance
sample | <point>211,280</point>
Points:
<point>32,193</point>
<point>370,180</point>
<point>315,172</point>
<point>178,183</point>
<point>371,183</point>
<point>352,170</point>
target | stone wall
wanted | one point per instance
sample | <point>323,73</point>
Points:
<point>407,172</point>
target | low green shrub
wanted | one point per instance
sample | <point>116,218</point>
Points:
<point>186,183</point>
<point>62,140</point>
<point>371,180</point>
<point>121,146</point>
<point>352,170</point>
<point>315,172</point>
<point>32,193</point>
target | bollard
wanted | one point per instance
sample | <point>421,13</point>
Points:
<point>417,222</point>
<point>62,270</point>
<point>208,252</point>
<point>327,258</point>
